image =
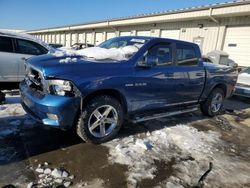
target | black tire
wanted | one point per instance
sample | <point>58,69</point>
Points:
<point>206,106</point>
<point>82,126</point>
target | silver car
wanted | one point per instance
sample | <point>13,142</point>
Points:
<point>242,87</point>
<point>15,48</point>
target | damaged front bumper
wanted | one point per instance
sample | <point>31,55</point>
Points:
<point>52,110</point>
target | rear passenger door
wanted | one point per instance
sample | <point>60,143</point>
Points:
<point>8,60</point>
<point>24,50</point>
<point>190,68</point>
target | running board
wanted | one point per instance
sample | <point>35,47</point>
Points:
<point>162,115</point>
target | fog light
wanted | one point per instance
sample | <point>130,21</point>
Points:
<point>52,116</point>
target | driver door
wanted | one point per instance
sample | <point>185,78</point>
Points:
<point>155,79</point>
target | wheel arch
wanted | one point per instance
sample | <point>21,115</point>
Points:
<point>110,92</point>
<point>221,86</point>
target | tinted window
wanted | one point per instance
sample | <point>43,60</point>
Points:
<point>6,44</point>
<point>186,55</point>
<point>162,52</point>
<point>29,47</point>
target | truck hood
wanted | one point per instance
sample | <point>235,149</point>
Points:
<point>70,67</point>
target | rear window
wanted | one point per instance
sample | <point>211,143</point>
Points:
<point>186,55</point>
<point>6,44</point>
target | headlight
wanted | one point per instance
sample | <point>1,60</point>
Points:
<point>59,87</point>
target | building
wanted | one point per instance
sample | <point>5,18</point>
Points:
<point>224,26</point>
<point>12,30</point>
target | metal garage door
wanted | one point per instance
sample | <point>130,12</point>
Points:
<point>89,38</point>
<point>53,38</point>
<point>58,38</point>
<point>50,38</point>
<point>81,37</point>
<point>125,33</point>
<point>46,38</point>
<point>62,39</point>
<point>237,45</point>
<point>143,33</point>
<point>98,38</point>
<point>43,38</point>
<point>110,35</point>
<point>171,34</point>
<point>74,38</point>
<point>68,40</point>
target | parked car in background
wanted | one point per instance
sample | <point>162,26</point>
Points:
<point>79,46</point>
<point>243,83</point>
<point>15,49</point>
<point>55,45</point>
<point>134,78</point>
<point>75,47</point>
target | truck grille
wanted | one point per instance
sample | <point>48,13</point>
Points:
<point>34,79</point>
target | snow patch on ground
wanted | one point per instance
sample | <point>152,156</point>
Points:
<point>13,116</point>
<point>191,150</point>
<point>51,177</point>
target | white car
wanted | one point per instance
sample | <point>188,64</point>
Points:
<point>242,87</point>
<point>15,48</point>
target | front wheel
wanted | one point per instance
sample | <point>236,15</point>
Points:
<point>214,103</point>
<point>101,120</point>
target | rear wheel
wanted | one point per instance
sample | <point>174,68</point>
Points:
<point>101,120</point>
<point>214,103</point>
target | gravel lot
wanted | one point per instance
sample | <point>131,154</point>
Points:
<point>170,152</point>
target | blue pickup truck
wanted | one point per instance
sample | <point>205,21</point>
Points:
<point>125,78</point>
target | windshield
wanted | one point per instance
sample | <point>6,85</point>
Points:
<point>122,42</point>
<point>116,49</point>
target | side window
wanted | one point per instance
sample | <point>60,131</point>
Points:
<point>162,53</point>
<point>29,47</point>
<point>186,55</point>
<point>6,44</point>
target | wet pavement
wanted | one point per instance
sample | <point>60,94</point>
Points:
<point>24,147</point>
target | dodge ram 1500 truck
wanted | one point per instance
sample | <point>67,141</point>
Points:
<point>125,78</point>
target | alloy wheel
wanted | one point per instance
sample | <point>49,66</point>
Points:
<point>102,121</point>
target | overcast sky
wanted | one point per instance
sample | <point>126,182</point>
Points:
<point>34,14</point>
